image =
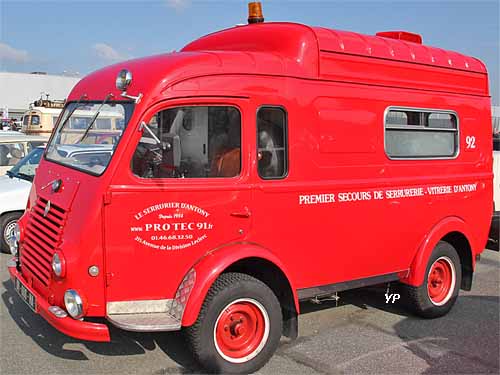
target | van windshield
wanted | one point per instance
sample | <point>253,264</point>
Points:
<point>87,135</point>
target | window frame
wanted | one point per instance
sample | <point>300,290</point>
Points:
<point>423,129</point>
<point>39,119</point>
<point>155,109</point>
<point>286,143</point>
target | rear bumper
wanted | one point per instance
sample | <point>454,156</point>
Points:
<point>67,325</point>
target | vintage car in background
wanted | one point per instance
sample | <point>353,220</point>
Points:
<point>16,184</point>
<point>14,191</point>
<point>14,146</point>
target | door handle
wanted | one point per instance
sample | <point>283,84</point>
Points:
<point>245,213</point>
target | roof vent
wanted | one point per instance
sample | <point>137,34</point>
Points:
<point>401,35</point>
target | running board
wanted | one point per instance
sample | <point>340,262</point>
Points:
<point>324,290</point>
<point>145,322</point>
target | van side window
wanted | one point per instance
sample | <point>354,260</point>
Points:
<point>272,153</point>
<point>414,133</point>
<point>190,142</point>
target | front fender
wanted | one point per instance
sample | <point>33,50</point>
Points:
<point>214,263</point>
<point>419,264</point>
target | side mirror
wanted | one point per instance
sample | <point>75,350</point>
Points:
<point>171,146</point>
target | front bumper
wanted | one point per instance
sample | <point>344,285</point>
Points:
<point>67,325</point>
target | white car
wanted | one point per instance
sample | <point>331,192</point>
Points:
<point>14,191</point>
<point>16,184</point>
<point>14,146</point>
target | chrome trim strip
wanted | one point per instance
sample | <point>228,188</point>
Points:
<point>139,307</point>
<point>154,322</point>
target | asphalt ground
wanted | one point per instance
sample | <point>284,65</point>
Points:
<point>361,334</point>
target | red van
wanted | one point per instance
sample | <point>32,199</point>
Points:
<point>258,167</point>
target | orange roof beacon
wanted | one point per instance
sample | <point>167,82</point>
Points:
<point>260,166</point>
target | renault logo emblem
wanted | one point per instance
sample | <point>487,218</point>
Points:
<point>47,209</point>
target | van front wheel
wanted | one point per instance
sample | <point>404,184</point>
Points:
<point>239,326</point>
<point>439,291</point>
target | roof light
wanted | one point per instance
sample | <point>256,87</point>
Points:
<point>255,12</point>
<point>401,35</point>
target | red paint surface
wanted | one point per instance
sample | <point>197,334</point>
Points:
<point>335,87</point>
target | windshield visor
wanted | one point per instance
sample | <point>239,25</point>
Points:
<point>87,135</point>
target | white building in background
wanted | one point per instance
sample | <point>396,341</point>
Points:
<point>18,90</point>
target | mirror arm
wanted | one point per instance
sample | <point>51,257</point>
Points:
<point>136,99</point>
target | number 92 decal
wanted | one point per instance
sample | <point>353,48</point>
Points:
<point>470,142</point>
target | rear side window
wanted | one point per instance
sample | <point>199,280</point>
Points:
<point>415,133</point>
<point>190,142</point>
<point>272,153</point>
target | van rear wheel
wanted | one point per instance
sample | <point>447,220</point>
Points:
<point>239,326</point>
<point>439,291</point>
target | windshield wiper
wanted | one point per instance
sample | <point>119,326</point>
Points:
<point>72,111</point>
<point>94,118</point>
<point>25,176</point>
<point>20,175</point>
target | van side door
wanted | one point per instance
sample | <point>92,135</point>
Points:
<point>186,193</point>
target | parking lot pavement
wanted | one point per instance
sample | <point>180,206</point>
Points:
<point>362,335</point>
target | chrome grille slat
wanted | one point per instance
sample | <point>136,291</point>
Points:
<point>42,236</point>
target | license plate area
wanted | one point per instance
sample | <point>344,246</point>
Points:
<point>25,294</point>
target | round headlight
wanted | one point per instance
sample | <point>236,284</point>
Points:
<point>17,232</point>
<point>58,265</point>
<point>73,303</point>
<point>123,80</point>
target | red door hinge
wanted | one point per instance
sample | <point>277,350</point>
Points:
<point>107,197</point>
<point>109,276</point>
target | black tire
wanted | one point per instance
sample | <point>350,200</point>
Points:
<point>6,221</point>
<point>229,290</point>
<point>419,299</point>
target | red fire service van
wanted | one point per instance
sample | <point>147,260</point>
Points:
<point>260,166</point>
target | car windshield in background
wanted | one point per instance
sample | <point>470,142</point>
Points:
<point>87,135</point>
<point>27,166</point>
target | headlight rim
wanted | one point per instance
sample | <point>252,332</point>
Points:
<point>77,300</point>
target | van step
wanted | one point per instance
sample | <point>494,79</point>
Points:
<point>145,322</point>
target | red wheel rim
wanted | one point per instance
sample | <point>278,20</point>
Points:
<point>241,330</point>
<point>441,281</point>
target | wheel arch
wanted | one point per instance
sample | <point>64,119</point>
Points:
<point>252,260</point>
<point>11,212</point>
<point>452,230</point>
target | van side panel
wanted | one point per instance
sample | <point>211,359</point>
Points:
<point>336,143</point>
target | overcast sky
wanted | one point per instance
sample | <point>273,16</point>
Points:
<point>81,36</point>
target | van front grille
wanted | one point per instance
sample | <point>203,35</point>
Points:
<point>42,236</point>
